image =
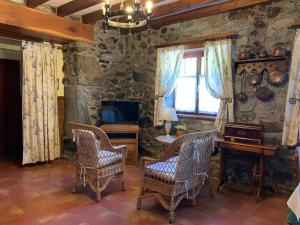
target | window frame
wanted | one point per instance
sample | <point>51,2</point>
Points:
<point>198,53</point>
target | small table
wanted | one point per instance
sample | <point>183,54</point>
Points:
<point>264,150</point>
<point>166,140</point>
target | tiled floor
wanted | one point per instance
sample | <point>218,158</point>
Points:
<point>41,194</point>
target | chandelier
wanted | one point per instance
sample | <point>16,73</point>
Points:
<point>130,17</point>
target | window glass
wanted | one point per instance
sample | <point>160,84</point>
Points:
<point>191,95</point>
<point>185,94</point>
<point>190,65</point>
<point>207,103</point>
<point>202,65</point>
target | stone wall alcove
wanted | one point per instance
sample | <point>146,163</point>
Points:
<point>121,67</point>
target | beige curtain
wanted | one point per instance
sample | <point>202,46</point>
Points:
<point>291,119</point>
<point>39,103</point>
<point>218,78</point>
<point>167,71</point>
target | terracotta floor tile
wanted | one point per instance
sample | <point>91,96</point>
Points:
<point>257,221</point>
<point>227,216</point>
<point>41,195</point>
<point>270,214</point>
<point>23,220</point>
<point>65,219</point>
<point>10,213</point>
<point>106,218</point>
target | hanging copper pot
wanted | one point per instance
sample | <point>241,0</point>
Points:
<point>276,77</point>
<point>254,78</point>
<point>279,52</point>
<point>242,96</point>
<point>264,93</point>
<point>244,55</point>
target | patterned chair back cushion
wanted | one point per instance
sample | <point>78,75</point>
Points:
<point>185,161</point>
<point>87,146</point>
<point>194,155</point>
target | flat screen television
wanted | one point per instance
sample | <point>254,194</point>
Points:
<point>119,112</point>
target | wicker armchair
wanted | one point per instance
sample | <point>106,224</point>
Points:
<point>180,173</point>
<point>97,161</point>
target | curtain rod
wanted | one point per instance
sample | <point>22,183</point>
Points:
<point>52,43</point>
<point>296,25</point>
<point>200,40</point>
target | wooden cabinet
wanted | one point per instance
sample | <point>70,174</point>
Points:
<point>131,142</point>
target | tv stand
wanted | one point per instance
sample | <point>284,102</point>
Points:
<point>119,130</point>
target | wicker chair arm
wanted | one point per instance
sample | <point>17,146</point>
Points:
<point>120,148</point>
<point>144,161</point>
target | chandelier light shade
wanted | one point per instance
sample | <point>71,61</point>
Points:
<point>129,17</point>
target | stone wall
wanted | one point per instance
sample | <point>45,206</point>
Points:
<point>119,67</point>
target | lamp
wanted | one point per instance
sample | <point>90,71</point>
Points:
<point>168,115</point>
<point>134,15</point>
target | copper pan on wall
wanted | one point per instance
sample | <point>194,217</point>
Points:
<point>276,77</point>
<point>264,93</point>
<point>254,78</point>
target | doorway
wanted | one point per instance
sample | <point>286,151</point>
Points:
<point>10,111</point>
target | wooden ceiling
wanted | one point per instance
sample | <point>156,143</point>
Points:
<point>165,11</point>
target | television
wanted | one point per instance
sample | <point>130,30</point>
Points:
<point>119,112</point>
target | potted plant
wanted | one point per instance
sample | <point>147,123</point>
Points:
<point>180,129</point>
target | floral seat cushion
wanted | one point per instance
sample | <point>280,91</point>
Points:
<point>164,170</point>
<point>107,157</point>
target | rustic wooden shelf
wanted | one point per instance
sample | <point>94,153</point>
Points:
<point>266,59</point>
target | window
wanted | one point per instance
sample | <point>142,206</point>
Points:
<point>191,95</point>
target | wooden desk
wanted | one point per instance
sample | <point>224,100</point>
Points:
<point>166,140</point>
<point>267,150</point>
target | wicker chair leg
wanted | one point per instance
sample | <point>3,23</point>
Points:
<point>123,177</point>
<point>194,197</point>
<point>194,201</point>
<point>210,188</point>
<point>74,188</point>
<point>123,183</point>
<point>171,216</point>
<point>98,196</point>
<point>76,182</point>
<point>139,203</point>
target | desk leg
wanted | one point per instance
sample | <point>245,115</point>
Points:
<point>223,168</point>
<point>261,178</point>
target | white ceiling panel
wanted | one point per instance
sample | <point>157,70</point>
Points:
<point>56,3</point>
<point>89,10</point>
<point>95,8</point>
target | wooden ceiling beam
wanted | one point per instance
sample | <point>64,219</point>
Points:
<point>93,17</point>
<point>35,3</point>
<point>183,6</point>
<point>21,22</point>
<point>204,10</point>
<point>76,6</point>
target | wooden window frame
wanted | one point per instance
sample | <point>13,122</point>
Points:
<point>199,53</point>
